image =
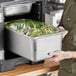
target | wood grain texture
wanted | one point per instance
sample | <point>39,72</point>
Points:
<point>32,70</point>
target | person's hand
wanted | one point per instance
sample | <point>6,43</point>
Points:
<point>60,55</point>
<point>65,32</point>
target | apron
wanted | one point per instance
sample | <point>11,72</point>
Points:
<point>68,21</point>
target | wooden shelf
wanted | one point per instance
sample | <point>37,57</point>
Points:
<point>32,70</point>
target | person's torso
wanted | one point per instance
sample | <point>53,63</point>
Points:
<point>69,42</point>
<point>69,23</point>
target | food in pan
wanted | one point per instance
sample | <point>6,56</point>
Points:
<point>31,27</point>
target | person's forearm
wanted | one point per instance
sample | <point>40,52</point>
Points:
<point>69,54</point>
<point>73,54</point>
<point>61,55</point>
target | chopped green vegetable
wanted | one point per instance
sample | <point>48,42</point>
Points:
<point>31,27</point>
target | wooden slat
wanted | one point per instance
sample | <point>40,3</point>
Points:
<point>32,70</point>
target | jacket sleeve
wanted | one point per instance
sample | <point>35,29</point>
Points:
<point>64,9</point>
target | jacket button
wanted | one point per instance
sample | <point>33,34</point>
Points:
<point>70,70</point>
<point>68,19</point>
